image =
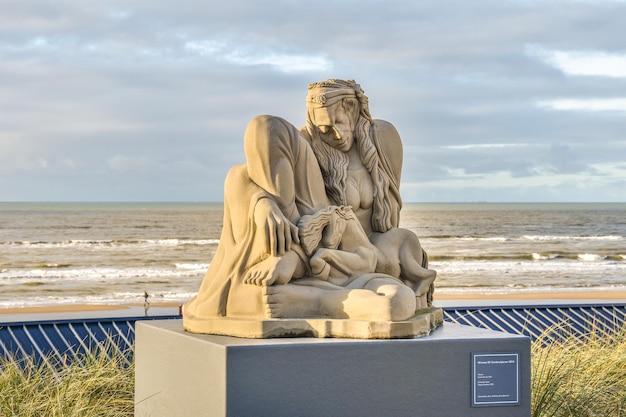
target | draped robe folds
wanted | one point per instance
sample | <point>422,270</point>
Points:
<point>281,166</point>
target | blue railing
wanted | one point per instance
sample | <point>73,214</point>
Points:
<point>65,339</point>
<point>534,320</point>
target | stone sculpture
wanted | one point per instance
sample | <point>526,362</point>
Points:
<point>311,227</point>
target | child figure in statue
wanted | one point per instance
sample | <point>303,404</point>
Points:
<point>339,249</point>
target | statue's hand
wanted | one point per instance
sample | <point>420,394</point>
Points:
<point>279,231</point>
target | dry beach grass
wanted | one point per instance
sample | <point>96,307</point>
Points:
<point>579,376</point>
<point>100,384</point>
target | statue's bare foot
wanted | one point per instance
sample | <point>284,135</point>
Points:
<point>291,301</point>
<point>419,278</point>
<point>262,273</point>
<point>424,284</point>
<point>421,302</point>
<point>273,270</point>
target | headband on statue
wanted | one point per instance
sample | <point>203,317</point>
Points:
<point>326,93</point>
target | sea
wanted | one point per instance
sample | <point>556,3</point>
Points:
<point>119,253</point>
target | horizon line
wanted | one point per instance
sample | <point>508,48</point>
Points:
<point>221,202</point>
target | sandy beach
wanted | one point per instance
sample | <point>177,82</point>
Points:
<point>532,298</point>
<point>77,311</point>
<point>81,307</point>
<point>618,296</point>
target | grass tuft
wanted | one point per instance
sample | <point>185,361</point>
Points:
<point>100,383</point>
<point>579,375</point>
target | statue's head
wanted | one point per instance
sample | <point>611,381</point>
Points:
<point>324,228</point>
<point>338,118</point>
<point>334,108</point>
<point>333,232</point>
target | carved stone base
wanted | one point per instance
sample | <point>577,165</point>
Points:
<point>419,325</point>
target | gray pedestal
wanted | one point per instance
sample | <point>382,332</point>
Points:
<point>184,374</point>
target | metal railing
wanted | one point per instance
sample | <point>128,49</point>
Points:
<point>535,320</point>
<point>65,339</point>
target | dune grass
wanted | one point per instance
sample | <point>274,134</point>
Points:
<point>571,376</point>
<point>579,375</point>
<point>98,384</point>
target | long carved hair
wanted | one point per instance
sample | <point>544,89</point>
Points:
<point>334,163</point>
<point>311,226</point>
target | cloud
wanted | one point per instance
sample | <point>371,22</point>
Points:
<point>582,63</point>
<point>250,55</point>
<point>124,163</point>
<point>119,14</point>
<point>564,161</point>
<point>579,64</point>
<point>486,146</point>
<point>285,63</point>
<point>594,105</point>
<point>173,48</point>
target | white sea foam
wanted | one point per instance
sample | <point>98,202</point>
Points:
<point>48,276</point>
<point>590,257</point>
<point>193,266</point>
<point>546,265</point>
<point>534,289</point>
<point>485,239</point>
<point>540,257</point>
<point>117,244</point>
<point>557,273</point>
<point>117,298</point>
<point>542,238</point>
<point>538,238</point>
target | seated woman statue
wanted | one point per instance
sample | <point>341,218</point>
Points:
<point>342,157</point>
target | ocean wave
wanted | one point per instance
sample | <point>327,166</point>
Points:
<point>192,266</point>
<point>541,257</point>
<point>52,265</point>
<point>466,237</point>
<point>574,238</point>
<point>481,257</point>
<point>139,243</point>
<point>485,239</point>
<point>590,257</point>
<point>517,289</point>
<point>483,270</point>
<point>538,238</point>
<point>118,298</point>
<point>18,276</point>
<point>535,256</point>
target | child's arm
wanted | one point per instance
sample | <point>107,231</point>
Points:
<point>337,263</point>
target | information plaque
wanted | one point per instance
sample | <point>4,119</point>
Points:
<point>495,379</point>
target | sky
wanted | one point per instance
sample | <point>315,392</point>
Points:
<point>143,100</point>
